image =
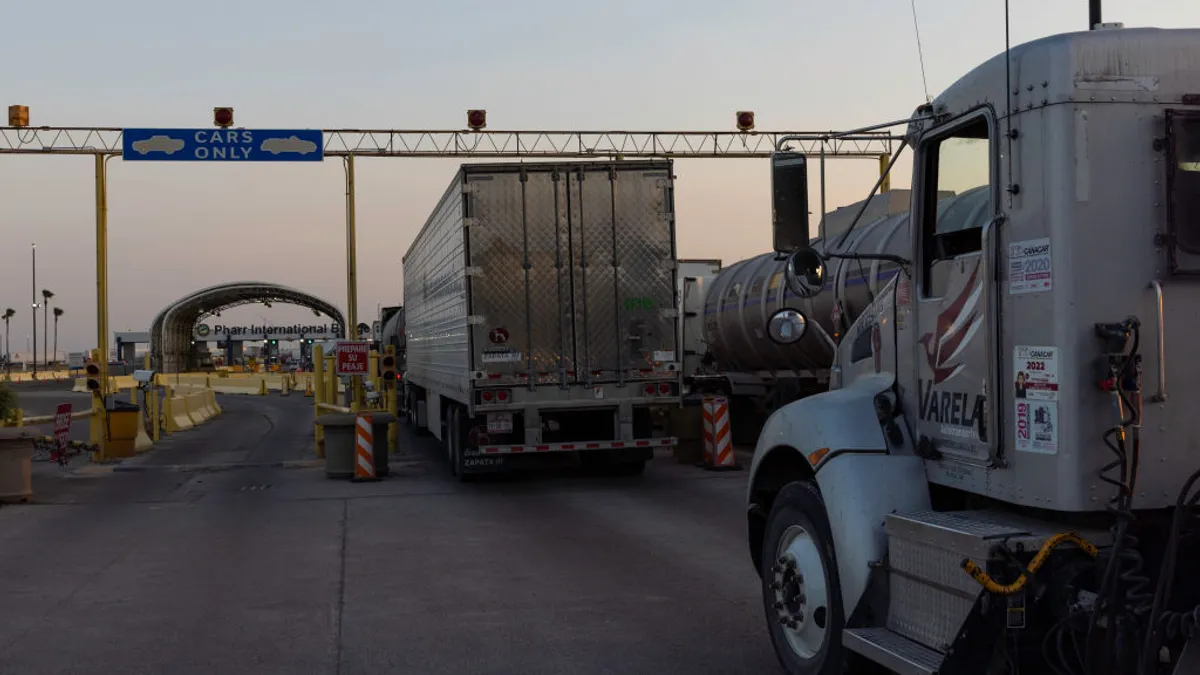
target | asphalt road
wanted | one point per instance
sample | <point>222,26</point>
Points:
<point>155,568</point>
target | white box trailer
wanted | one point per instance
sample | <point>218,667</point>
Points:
<point>540,313</point>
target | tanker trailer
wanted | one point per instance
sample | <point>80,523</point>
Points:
<point>756,374</point>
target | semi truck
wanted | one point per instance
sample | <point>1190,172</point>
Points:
<point>998,472</point>
<point>540,315</point>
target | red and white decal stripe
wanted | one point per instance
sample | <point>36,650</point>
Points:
<point>575,447</point>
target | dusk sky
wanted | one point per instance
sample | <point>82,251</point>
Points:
<point>174,228</point>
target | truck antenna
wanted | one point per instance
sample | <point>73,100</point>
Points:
<point>920,51</point>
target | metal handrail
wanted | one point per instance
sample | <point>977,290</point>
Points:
<point>1161,396</point>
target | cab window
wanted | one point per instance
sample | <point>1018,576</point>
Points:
<point>956,199</point>
<point>1183,179</point>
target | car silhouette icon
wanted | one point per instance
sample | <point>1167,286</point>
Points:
<point>158,144</point>
<point>290,144</point>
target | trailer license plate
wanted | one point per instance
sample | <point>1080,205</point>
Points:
<point>499,423</point>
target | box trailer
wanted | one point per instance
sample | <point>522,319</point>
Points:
<point>540,314</point>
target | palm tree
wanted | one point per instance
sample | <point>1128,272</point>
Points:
<point>57,313</point>
<point>46,320</point>
<point>7,316</point>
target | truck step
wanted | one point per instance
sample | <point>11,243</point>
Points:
<point>893,651</point>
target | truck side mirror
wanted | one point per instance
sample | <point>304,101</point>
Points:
<point>787,326</point>
<point>789,200</point>
<point>805,272</point>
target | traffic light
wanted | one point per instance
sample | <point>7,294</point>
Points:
<point>387,365</point>
<point>223,117</point>
<point>745,120</point>
<point>93,376</point>
<point>476,119</point>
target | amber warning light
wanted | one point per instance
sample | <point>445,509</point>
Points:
<point>745,120</point>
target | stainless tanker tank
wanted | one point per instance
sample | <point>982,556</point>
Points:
<point>744,295</point>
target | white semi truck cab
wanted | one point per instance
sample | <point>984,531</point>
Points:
<point>1002,474</point>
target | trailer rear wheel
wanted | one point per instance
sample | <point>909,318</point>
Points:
<point>451,439</point>
<point>801,595</point>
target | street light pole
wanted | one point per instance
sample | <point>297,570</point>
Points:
<point>33,292</point>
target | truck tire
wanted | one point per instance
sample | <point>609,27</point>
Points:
<point>451,440</point>
<point>800,587</point>
<point>457,435</point>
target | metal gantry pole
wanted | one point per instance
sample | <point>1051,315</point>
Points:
<point>356,384</point>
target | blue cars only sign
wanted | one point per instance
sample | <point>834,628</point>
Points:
<point>222,145</point>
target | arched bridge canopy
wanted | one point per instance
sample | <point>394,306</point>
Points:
<point>171,333</point>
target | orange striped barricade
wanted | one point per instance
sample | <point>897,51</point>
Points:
<point>364,449</point>
<point>718,439</point>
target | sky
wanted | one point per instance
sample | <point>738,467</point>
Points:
<point>646,65</point>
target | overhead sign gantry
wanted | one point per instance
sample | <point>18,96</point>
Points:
<point>228,144</point>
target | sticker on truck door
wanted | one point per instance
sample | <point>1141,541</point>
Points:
<point>1030,268</point>
<point>1037,426</point>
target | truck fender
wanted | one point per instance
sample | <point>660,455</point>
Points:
<point>836,439</point>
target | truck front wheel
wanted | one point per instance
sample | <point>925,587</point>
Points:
<point>800,588</point>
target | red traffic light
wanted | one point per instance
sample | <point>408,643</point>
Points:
<point>745,120</point>
<point>477,119</point>
<point>223,117</point>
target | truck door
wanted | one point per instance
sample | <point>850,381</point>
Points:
<point>623,270</point>
<point>955,335</point>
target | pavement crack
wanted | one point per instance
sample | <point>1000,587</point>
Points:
<point>341,600</point>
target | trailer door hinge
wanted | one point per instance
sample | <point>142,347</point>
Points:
<point>474,272</point>
<point>668,313</point>
<point>468,188</point>
<point>475,320</point>
<point>470,222</point>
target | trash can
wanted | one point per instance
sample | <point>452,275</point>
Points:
<point>122,428</point>
<point>16,463</point>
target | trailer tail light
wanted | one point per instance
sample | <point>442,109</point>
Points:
<point>649,389</point>
<point>491,396</point>
<point>664,389</point>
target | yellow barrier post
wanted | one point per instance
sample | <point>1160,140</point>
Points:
<point>373,368</point>
<point>156,422</point>
<point>318,394</point>
<point>331,381</point>
<point>393,432</point>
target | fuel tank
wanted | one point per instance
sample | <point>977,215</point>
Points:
<point>744,295</point>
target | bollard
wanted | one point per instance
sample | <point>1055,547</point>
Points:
<point>718,438</point>
<point>156,422</point>
<point>318,357</point>
<point>391,397</point>
<point>364,449</point>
